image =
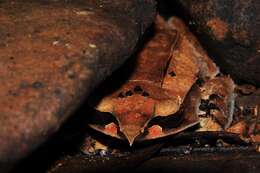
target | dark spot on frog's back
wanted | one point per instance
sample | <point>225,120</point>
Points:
<point>138,89</point>
<point>145,94</point>
<point>129,93</point>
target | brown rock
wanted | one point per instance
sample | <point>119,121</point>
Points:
<point>52,53</point>
<point>230,32</point>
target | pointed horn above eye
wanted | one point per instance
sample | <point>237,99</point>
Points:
<point>110,129</point>
<point>105,105</point>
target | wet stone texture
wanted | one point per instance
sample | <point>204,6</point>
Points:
<point>52,53</point>
<point>230,31</point>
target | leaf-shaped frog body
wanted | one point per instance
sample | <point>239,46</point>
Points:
<point>160,87</point>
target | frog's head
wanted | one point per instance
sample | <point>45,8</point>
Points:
<point>138,114</point>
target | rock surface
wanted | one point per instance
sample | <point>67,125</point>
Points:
<point>52,54</point>
<point>230,31</point>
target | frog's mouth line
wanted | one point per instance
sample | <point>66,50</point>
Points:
<point>101,119</point>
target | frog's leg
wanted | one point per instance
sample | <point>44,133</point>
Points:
<point>218,93</point>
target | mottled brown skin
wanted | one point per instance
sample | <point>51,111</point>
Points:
<point>220,92</point>
<point>133,112</point>
<point>165,71</point>
<point>52,54</point>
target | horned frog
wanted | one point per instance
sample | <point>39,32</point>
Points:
<point>162,95</point>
